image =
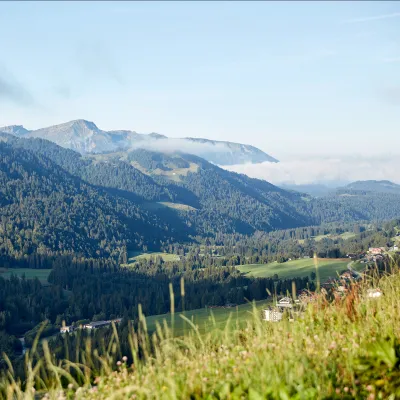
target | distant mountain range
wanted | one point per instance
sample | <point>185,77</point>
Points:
<point>373,186</point>
<point>85,137</point>
<point>313,189</point>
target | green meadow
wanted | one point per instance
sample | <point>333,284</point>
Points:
<point>41,274</point>
<point>136,256</point>
<point>327,268</point>
<point>205,319</point>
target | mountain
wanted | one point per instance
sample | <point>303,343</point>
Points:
<point>312,189</point>
<point>57,201</point>
<point>85,137</point>
<point>46,210</point>
<point>373,186</point>
<point>207,198</point>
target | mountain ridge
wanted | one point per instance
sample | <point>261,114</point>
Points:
<point>86,137</point>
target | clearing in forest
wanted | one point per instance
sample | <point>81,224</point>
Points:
<point>41,274</point>
<point>327,268</point>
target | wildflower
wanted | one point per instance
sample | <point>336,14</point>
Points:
<point>125,358</point>
<point>346,389</point>
<point>332,346</point>
<point>337,391</point>
<point>119,363</point>
<point>370,388</point>
<point>70,386</point>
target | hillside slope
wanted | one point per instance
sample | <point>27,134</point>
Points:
<point>104,204</point>
<point>46,210</point>
<point>372,186</point>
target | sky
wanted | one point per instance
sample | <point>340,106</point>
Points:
<point>296,79</point>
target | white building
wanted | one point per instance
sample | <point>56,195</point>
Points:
<point>65,329</point>
<point>272,314</point>
<point>285,302</point>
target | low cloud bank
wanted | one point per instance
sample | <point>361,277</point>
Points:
<point>325,171</point>
<point>172,145</point>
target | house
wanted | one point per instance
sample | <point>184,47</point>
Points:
<point>376,250</point>
<point>101,324</point>
<point>272,314</point>
<point>351,255</point>
<point>285,302</point>
<point>65,329</point>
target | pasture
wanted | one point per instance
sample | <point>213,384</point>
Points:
<point>206,319</point>
<point>327,268</point>
<point>344,236</point>
<point>136,256</point>
<point>41,274</point>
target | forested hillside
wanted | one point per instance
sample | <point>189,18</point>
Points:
<point>56,201</point>
<point>45,210</point>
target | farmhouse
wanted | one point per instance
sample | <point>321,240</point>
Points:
<point>285,302</point>
<point>65,329</point>
<point>100,324</point>
<point>272,314</point>
<point>376,250</point>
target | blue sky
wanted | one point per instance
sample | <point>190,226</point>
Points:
<point>291,78</point>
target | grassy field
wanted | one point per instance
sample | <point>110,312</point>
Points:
<point>41,274</point>
<point>346,349</point>
<point>135,256</point>
<point>165,204</point>
<point>344,236</point>
<point>206,318</point>
<point>298,268</point>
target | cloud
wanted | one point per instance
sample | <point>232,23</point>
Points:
<point>171,145</point>
<point>372,18</point>
<point>13,91</point>
<point>324,170</point>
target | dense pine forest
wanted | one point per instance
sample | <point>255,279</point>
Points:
<point>54,201</point>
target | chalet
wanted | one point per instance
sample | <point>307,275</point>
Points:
<point>285,302</point>
<point>65,329</point>
<point>352,255</point>
<point>272,314</point>
<point>100,324</point>
<point>376,250</point>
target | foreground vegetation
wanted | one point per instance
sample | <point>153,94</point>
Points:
<point>345,348</point>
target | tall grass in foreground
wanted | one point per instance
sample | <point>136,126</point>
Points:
<point>347,348</point>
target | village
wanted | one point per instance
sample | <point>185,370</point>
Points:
<point>338,287</point>
<point>293,307</point>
